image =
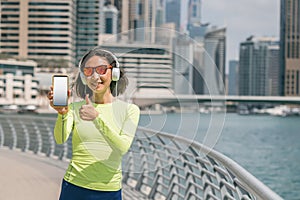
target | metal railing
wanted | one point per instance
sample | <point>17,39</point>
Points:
<point>158,165</point>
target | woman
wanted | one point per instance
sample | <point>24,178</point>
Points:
<point>103,129</point>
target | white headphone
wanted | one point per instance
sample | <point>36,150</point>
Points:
<point>115,75</point>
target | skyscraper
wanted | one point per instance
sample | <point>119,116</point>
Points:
<point>259,66</point>
<point>39,30</point>
<point>233,77</point>
<point>195,12</point>
<point>273,66</point>
<point>109,20</point>
<point>290,47</point>
<point>87,25</point>
<point>177,12</point>
<point>140,17</point>
<point>183,65</point>
<point>195,27</point>
<point>150,65</point>
<point>214,61</point>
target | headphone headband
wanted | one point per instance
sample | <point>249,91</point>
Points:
<point>97,48</point>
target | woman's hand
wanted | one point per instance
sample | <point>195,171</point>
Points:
<point>87,111</point>
<point>60,110</point>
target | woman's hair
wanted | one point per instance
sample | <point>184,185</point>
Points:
<point>82,90</point>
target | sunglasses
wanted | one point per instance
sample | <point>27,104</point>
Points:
<point>101,70</point>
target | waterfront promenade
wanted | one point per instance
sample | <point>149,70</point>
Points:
<point>158,166</point>
<point>27,176</point>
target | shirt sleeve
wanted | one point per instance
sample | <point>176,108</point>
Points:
<point>63,127</point>
<point>120,137</point>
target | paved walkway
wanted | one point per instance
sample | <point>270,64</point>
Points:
<point>29,177</point>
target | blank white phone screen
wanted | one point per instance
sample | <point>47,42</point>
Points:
<point>60,91</point>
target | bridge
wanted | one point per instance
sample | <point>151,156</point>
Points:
<point>158,166</point>
<point>170,100</point>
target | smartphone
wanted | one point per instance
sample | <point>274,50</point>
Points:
<point>60,85</point>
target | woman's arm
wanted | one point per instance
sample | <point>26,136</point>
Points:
<point>63,126</point>
<point>120,136</point>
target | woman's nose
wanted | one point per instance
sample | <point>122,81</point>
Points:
<point>95,75</point>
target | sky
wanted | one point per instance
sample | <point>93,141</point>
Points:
<point>242,18</point>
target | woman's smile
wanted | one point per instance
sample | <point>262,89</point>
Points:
<point>97,85</point>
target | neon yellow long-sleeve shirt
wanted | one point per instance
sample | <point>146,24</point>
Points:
<point>98,146</point>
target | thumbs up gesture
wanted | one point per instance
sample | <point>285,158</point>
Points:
<point>87,111</point>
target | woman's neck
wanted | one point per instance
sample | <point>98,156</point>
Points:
<point>103,98</point>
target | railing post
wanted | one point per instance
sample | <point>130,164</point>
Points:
<point>51,140</point>
<point>14,134</point>
<point>2,137</point>
<point>26,136</point>
<point>39,143</point>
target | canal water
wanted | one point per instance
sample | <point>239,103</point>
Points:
<point>267,146</point>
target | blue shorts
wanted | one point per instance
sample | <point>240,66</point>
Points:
<point>73,192</point>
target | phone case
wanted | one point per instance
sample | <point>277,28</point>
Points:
<point>62,102</point>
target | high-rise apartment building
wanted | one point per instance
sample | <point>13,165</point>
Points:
<point>233,76</point>
<point>290,47</point>
<point>138,19</point>
<point>39,30</point>
<point>110,18</point>
<point>183,57</point>
<point>149,65</point>
<point>87,25</point>
<point>108,29</point>
<point>184,13</point>
<point>214,60</point>
<point>273,70</point>
<point>194,12</point>
<point>195,27</point>
<point>259,67</point>
<point>177,12</point>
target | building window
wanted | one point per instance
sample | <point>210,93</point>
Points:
<point>108,25</point>
<point>10,9</point>
<point>48,10</point>
<point>49,41</point>
<point>194,11</point>
<point>293,50</point>
<point>9,47</point>
<point>297,49</point>
<point>45,22</point>
<point>297,82</point>
<point>47,29</point>
<point>47,54</point>
<point>9,28</point>
<point>48,16</point>
<point>4,41</point>
<point>140,7</point>
<point>47,4</point>
<point>288,50</point>
<point>9,22</point>
<point>9,34</point>
<point>10,16</point>
<point>47,35</point>
<point>41,47</point>
<point>9,3</point>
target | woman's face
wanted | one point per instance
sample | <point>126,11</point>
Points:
<point>96,82</point>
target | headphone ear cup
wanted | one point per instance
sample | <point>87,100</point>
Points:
<point>82,77</point>
<point>115,76</point>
